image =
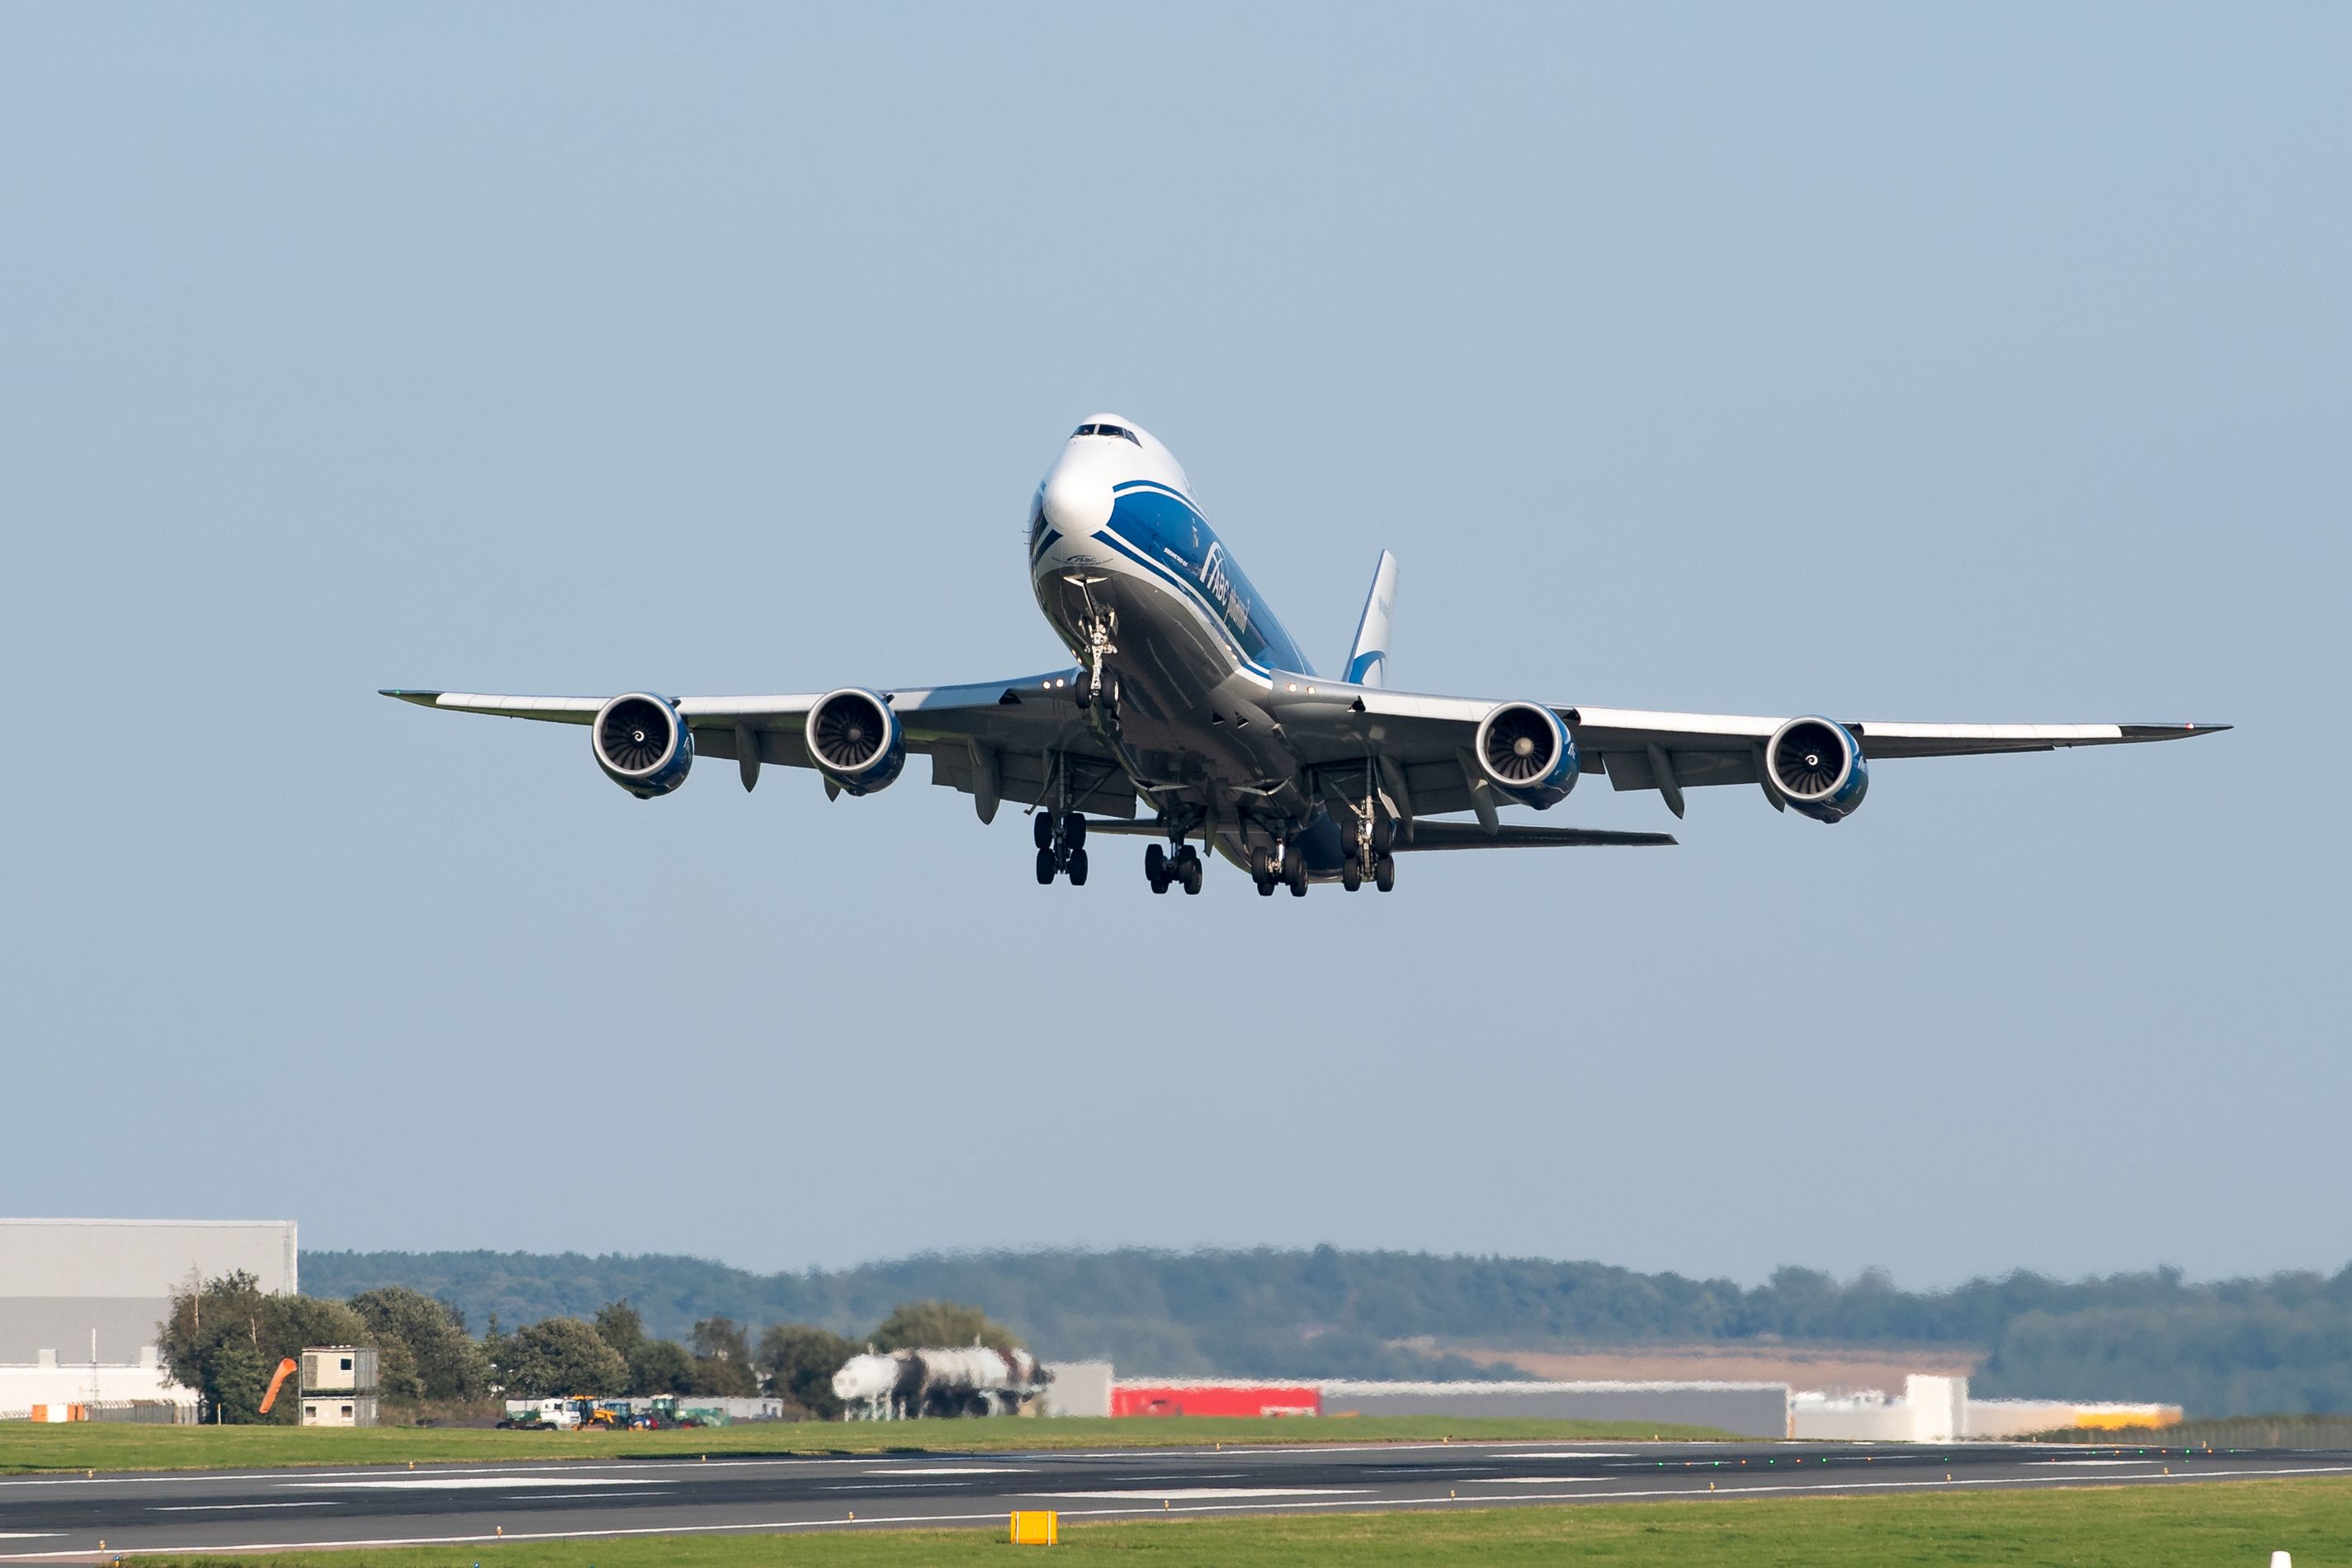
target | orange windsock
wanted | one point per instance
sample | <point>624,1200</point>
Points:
<point>285,1370</point>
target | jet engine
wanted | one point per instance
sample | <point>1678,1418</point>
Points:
<point>642,743</point>
<point>1817,767</point>
<point>855,741</point>
<point>1526,753</point>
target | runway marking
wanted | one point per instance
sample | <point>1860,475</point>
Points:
<point>30,1535</point>
<point>1568,1454</point>
<point>996,1516</point>
<point>225,1507</point>
<point>568,1467</point>
<point>950,1470</point>
<point>2096,1461</point>
<point>469,1483</point>
<point>1529,1481</point>
<point>558,1497</point>
<point>1171,1492</point>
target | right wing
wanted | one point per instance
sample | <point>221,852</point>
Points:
<point>1021,740</point>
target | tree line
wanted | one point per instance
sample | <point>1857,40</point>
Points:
<point>225,1337</point>
<point>2278,1343</point>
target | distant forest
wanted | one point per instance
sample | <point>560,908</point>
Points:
<point>2280,1345</point>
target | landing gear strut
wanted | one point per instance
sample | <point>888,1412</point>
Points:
<point>1061,847</point>
<point>1095,684</point>
<point>1369,850</point>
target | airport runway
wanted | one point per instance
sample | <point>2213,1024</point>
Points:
<point>49,1517</point>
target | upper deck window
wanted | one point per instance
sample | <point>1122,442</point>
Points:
<point>1104,430</point>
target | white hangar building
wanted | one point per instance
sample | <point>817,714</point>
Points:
<point>80,1300</point>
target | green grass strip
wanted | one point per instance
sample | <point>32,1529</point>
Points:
<point>101,1446</point>
<point>2215,1523</point>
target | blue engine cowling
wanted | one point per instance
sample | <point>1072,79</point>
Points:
<point>642,743</point>
<point>1817,768</point>
<point>1526,753</point>
<point>855,741</point>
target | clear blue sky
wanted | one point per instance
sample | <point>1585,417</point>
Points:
<point>1981,363</point>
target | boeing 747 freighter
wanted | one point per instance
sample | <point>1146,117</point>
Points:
<point>1186,699</point>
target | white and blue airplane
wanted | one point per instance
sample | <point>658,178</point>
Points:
<point>1187,697</point>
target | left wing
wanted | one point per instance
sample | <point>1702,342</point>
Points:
<point>1700,749</point>
<point>1022,740</point>
<point>1419,751</point>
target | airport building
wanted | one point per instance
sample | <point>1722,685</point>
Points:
<point>82,1302</point>
<point>1930,1409</point>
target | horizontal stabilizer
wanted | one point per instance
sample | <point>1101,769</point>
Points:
<point>1429,835</point>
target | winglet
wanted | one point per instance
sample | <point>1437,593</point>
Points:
<point>1368,658</point>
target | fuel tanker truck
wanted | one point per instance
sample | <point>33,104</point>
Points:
<point>972,1381</point>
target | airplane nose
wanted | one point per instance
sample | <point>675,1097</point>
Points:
<point>1078,501</point>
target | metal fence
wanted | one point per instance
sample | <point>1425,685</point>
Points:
<point>2221,1432</point>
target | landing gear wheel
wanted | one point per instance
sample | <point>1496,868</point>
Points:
<point>1351,876</point>
<point>1155,868</point>
<point>1045,868</point>
<point>1192,875</point>
<point>1261,869</point>
<point>1041,828</point>
<point>1078,867</point>
<point>1294,871</point>
<point>1266,889</point>
<point>1082,689</point>
<point>1073,831</point>
<point>1384,873</point>
<point>1383,838</point>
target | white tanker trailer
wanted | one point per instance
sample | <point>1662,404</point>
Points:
<point>971,1381</point>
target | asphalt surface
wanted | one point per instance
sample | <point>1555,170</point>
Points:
<point>52,1517</point>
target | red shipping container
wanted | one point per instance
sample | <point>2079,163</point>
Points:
<point>1251,1399</point>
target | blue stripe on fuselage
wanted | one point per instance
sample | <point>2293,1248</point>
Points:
<point>1167,533</point>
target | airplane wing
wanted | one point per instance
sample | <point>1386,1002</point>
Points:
<point>1417,751</point>
<point>1021,740</point>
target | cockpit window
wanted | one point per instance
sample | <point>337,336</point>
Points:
<point>1104,430</point>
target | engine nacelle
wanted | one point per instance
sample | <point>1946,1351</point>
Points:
<point>1526,753</point>
<point>855,741</point>
<point>642,743</point>
<point>1817,768</point>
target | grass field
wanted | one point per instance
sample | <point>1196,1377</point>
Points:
<point>2217,1522</point>
<point>102,1446</point>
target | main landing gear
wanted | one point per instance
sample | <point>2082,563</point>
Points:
<point>1061,847</point>
<point>1367,853</point>
<point>1182,867</point>
<point>1269,873</point>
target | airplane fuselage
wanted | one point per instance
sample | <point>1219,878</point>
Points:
<point>1135,579</point>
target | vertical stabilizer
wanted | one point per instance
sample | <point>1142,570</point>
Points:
<point>1368,660</point>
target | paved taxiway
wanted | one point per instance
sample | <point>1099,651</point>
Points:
<point>66,1516</point>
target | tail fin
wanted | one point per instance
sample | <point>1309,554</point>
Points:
<point>1368,660</point>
